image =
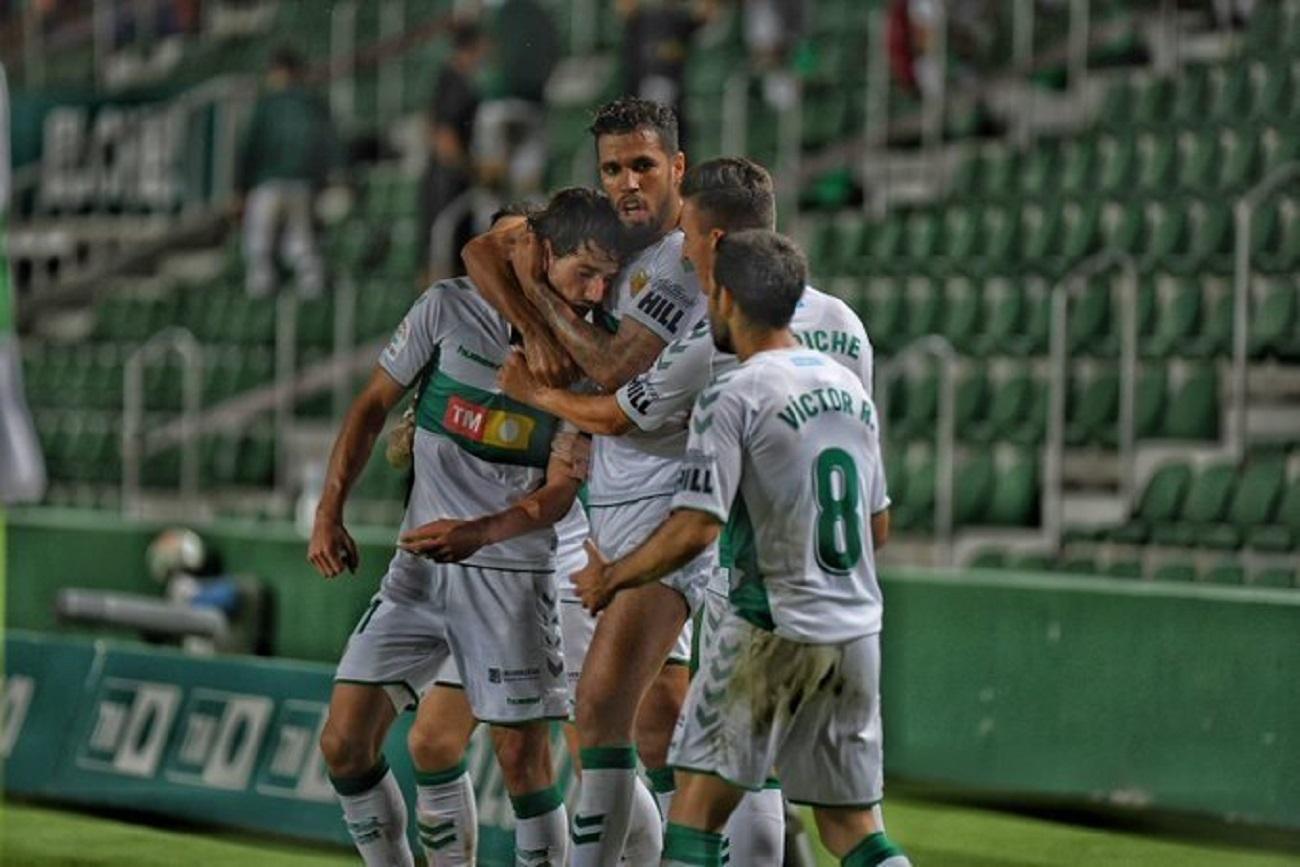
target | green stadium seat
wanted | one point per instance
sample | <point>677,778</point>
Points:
<point>1094,414</point>
<point>961,313</point>
<point>1275,577</point>
<point>1041,232</point>
<point>1273,87</point>
<point>1225,573</point>
<point>1118,104</point>
<point>1276,237</point>
<point>919,401</point>
<point>1215,338</point>
<point>1206,504</point>
<point>1078,166</point>
<point>971,399</point>
<point>1157,161</point>
<point>1089,321</point>
<point>999,173</point>
<point>1230,92</point>
<point>1258,492</point>
<point>1005,315</point>
<point>1275,323</point>
<point>1081,229</point>
<point>1116,164</point>
<point>1123,226</point>
<point>916,510</point>
<point>1001,234</point>
<point>1123,569</point>
<point>1038,171</point>
<point>1194,405</point>
<point>886,314</point>
<point>1191,96</point>
<point>1179,319</point>
<point>1160,503</point>
<point>923,236</point>
<point>1284,533</point>
<point>1239,159</point>
<point>925,307</point>
<point>1016,491</point>
<point>1183,572</point>
<point>971,498</point>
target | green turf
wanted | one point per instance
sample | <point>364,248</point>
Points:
<point>934,835</point>
<point>940,835</point>
<point>37,837</point>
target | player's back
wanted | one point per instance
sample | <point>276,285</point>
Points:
<point>811,477</point>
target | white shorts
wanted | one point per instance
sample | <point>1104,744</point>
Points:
<point>811,711</point>
<point>501,628</point>
<point>618,530</point>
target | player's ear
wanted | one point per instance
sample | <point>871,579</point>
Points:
<point>716,235</point>
<point>679,168</point>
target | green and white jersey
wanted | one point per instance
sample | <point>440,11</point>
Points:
<point>476,450</point>
<point>661,398</point>
<point>657,291</point>
<point>787,447</point>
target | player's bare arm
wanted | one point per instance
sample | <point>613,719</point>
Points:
<point>880,529</point>
<point>450,540</point>
<point>609,359</point>
<point>678,541</point>
<point>487,261</point>
<point>332,548</point>
<point>593,413</point>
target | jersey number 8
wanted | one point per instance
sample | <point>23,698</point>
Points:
<point>839,520</point>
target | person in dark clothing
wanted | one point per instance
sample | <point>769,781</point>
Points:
<point>656,46</point>
<point>287,154</point>
<point>449,171</point>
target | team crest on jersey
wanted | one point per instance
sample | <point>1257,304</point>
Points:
<point>640,280</point>
<point>493,427</point>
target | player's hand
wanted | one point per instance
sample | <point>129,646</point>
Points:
<point>446,540</point>
<point>574,448</point>
<point>517,380</point>
<point>332,548</point>
<point>592,580</point>
<point>548,360</point>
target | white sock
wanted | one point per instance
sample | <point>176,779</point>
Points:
<point>604,810</point>
<point>447,816</point>
<point>541,829</point>
<point>376,816</point>
<point>755,833</point>
<point>645,832</point>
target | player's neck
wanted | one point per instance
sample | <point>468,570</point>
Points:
<point>751,341</point>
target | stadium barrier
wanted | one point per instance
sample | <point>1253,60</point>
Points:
<point>1071,689</point>
<point>228,741</point>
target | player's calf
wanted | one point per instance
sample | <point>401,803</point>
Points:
<point>856,838</point>
<point>541,822</point>
<point>446,812</point>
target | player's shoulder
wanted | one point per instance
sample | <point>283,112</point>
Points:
<point>832,309</point>
<point>665,262</point>
<point>455,297</point>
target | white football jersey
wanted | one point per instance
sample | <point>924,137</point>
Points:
<point>660,398</point>
<point>787,447</point>
<point>477,451</point>
<point>656,290</point>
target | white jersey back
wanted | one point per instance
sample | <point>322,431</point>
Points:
<point>657,291</point>
<point>787,446</point>
<point>660,399</point>
<point>477,451</point>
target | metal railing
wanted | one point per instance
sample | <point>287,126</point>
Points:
<point>735,112</point>
<point>935,347</point>
<point>1244,214</point>
<point>1072,284</point>
<point>170,340</point>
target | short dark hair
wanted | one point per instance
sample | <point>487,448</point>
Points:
<point>764,272</point>
<point>736,193</point>
<point>576,216</point>
<point>287,58</point>
<point>514,209</point>
<point>465,34</point>
<point>631,113</point>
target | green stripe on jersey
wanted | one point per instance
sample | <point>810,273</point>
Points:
<point>748,594</point>
<point>486,424</point>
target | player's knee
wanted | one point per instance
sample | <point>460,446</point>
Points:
<point>347,753</point>
<point>524,758</point>
<point>434,748</point>
<point>600,717</point>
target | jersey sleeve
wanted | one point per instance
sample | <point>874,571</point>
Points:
<point>415,340</point>
<point>867,366</point>
<point>669,301</point>
<point>668,387</point>
<point>710,474</point>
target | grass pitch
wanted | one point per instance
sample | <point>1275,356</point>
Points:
<point>935,835</point>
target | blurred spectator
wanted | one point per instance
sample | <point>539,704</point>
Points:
<point>449,171</point>
<point>510,141</point>
<point>772,29</point>
<point>287,154</point>
<point>657,38</point>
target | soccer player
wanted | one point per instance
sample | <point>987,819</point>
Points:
<point>489,485</point>
<point>786,448</point>
<point>626,692</point>
<point>723,195</point>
